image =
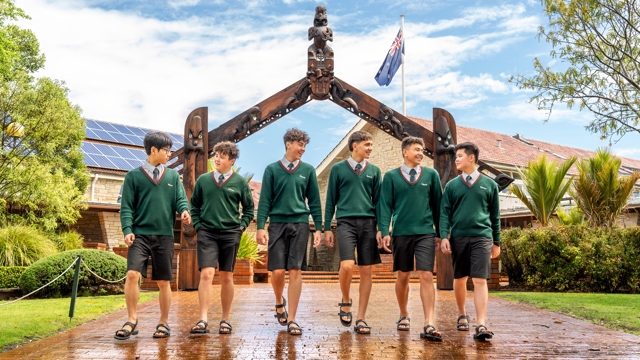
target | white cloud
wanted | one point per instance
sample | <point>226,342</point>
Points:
<point>627,152</point>
<point>123,67</point>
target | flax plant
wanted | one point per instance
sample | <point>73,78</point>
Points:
<point>544,181</point>
<point>600,191</point>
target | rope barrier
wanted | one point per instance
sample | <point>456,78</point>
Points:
<point>99,277</point>
<point>43,286</point>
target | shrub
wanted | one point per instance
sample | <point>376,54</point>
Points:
<point>69,240</point>
<point>23,245</point>
<point>248,248</point>
<point>9,276</point>
<point>106,264</point>
<point>573,258</point>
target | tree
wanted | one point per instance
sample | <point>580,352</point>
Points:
<point>599,40</point>
<point>546,185</point>
<point>599,190</point>
<point>42,173</point>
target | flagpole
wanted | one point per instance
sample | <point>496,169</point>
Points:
<point>404,109</point>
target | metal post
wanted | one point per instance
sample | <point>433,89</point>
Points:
<point>74,288</point>
<point>404,38</point>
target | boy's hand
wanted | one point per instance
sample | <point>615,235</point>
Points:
<point>186,217</point>
<point>128,240</point>
<point>445,246</point>
<point>317,238</point>
<point>386,243</point>
<point>379,239</point>
<point>328,238</point>
<point>261,237</point>
<point>495,251</point>
<point>437,244</point>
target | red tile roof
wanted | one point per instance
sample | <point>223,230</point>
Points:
<point>516,152</point>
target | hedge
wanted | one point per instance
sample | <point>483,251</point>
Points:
<point>575,257</point>
<point>10,276</point>
<point>106,264</point>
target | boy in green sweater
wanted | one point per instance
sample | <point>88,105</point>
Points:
<point>286,184</point>
<point>215,208</point>
<point>151,195</point>
<point>410,198</point>
<point>470,215</point>
<point>352,193</point>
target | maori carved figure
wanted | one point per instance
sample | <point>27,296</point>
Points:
<point>320,56</point>
<point>300,97</point>
<point>391,124</point>
<point>249,120</point>
<point>444,148</point>
<point>343,96</point>
<point>194,151</point>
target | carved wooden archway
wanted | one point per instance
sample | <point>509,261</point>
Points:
<point>318,84</point>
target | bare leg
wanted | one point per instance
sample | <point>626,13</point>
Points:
<point>346,275</point>
<point>132,294</point>
<point>480,299</point>
<point>460,291</point>
<point>402,294</point>
<point>365,290</point>
<point>204,291</point>
<point>427,295</point>
<point>165,301</point>
<point>277,282</point>
<point>295,289</point>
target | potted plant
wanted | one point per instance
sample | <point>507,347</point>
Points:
<point>246,257</point>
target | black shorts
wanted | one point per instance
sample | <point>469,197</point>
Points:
<point>288,246</point>
<point>160,248</point>
<point>471,257</point>
<point>218,247</point>
<point>358,233</point>
<point>408,247</point>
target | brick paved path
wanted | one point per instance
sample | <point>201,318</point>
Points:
<point>521,332</point>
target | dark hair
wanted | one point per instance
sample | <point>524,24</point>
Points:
<point>469,149</point>
<point>227,148</point>
<point>410,140</point>
<point>156,139</point>
<point>295,135</point>
<point>357,137</point>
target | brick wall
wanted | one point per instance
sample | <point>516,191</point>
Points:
<point>89,226</point>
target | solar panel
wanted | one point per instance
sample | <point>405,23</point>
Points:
<point>123,134</point>
<point>93,125</point>
<point>123,129</point>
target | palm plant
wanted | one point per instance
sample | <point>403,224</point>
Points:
<point>600,191</point>
<point>544,181</point>
<point>574,216</point>
<point>212,167</point>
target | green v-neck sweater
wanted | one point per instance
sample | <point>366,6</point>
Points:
<point>217,206</point>
<point>283,195</point>
<point>148,207</point>
<point>471,210</point>
<point>413,209</point>
<point>350,194</point>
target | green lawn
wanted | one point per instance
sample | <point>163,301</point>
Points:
<point>29,320</point>
<point>615,311</point>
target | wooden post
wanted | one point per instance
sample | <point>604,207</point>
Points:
<point>196,162</point>
<point>444,139</point>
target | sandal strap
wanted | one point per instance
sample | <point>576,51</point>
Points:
<point>293,323</point>
<point>464,317</point>
<point>363,322</point>
<point>165,326</point>
<point>478,331</point>
<point>201,322</point>
<point>403,318</point>
<point>426,329</point>
<point>225,322</point>
<point>350,303</point>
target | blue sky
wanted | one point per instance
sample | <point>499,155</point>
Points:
<point>149,63</point>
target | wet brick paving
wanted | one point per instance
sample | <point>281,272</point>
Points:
<point>521,332</point>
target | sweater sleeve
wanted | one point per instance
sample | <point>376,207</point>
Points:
<point>196,204</point>
<point>494,214</point>
<point>385,205</point>
<point>247,206</point>
<point>435,199</point>
<point>313,199</point>
<point>445,212</point>
<point>182,203</point>
<point>332,198</point>
<point>127,204</point>
<point>266,196</point>
<point>375,195</point>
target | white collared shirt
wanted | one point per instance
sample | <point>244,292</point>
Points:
<point>216,175</point>
<point>474,176</point>
<point>286,163</point>
<point>353,163</point>
<point>146,166</point>
<point>405,171</point>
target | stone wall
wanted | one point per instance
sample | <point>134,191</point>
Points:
<point>89,226</point>
<point>105,190</point>
<point>111,228</point>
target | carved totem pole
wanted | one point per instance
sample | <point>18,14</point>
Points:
<point>320,83</point>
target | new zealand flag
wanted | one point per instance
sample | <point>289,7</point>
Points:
<point>392,62</point>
